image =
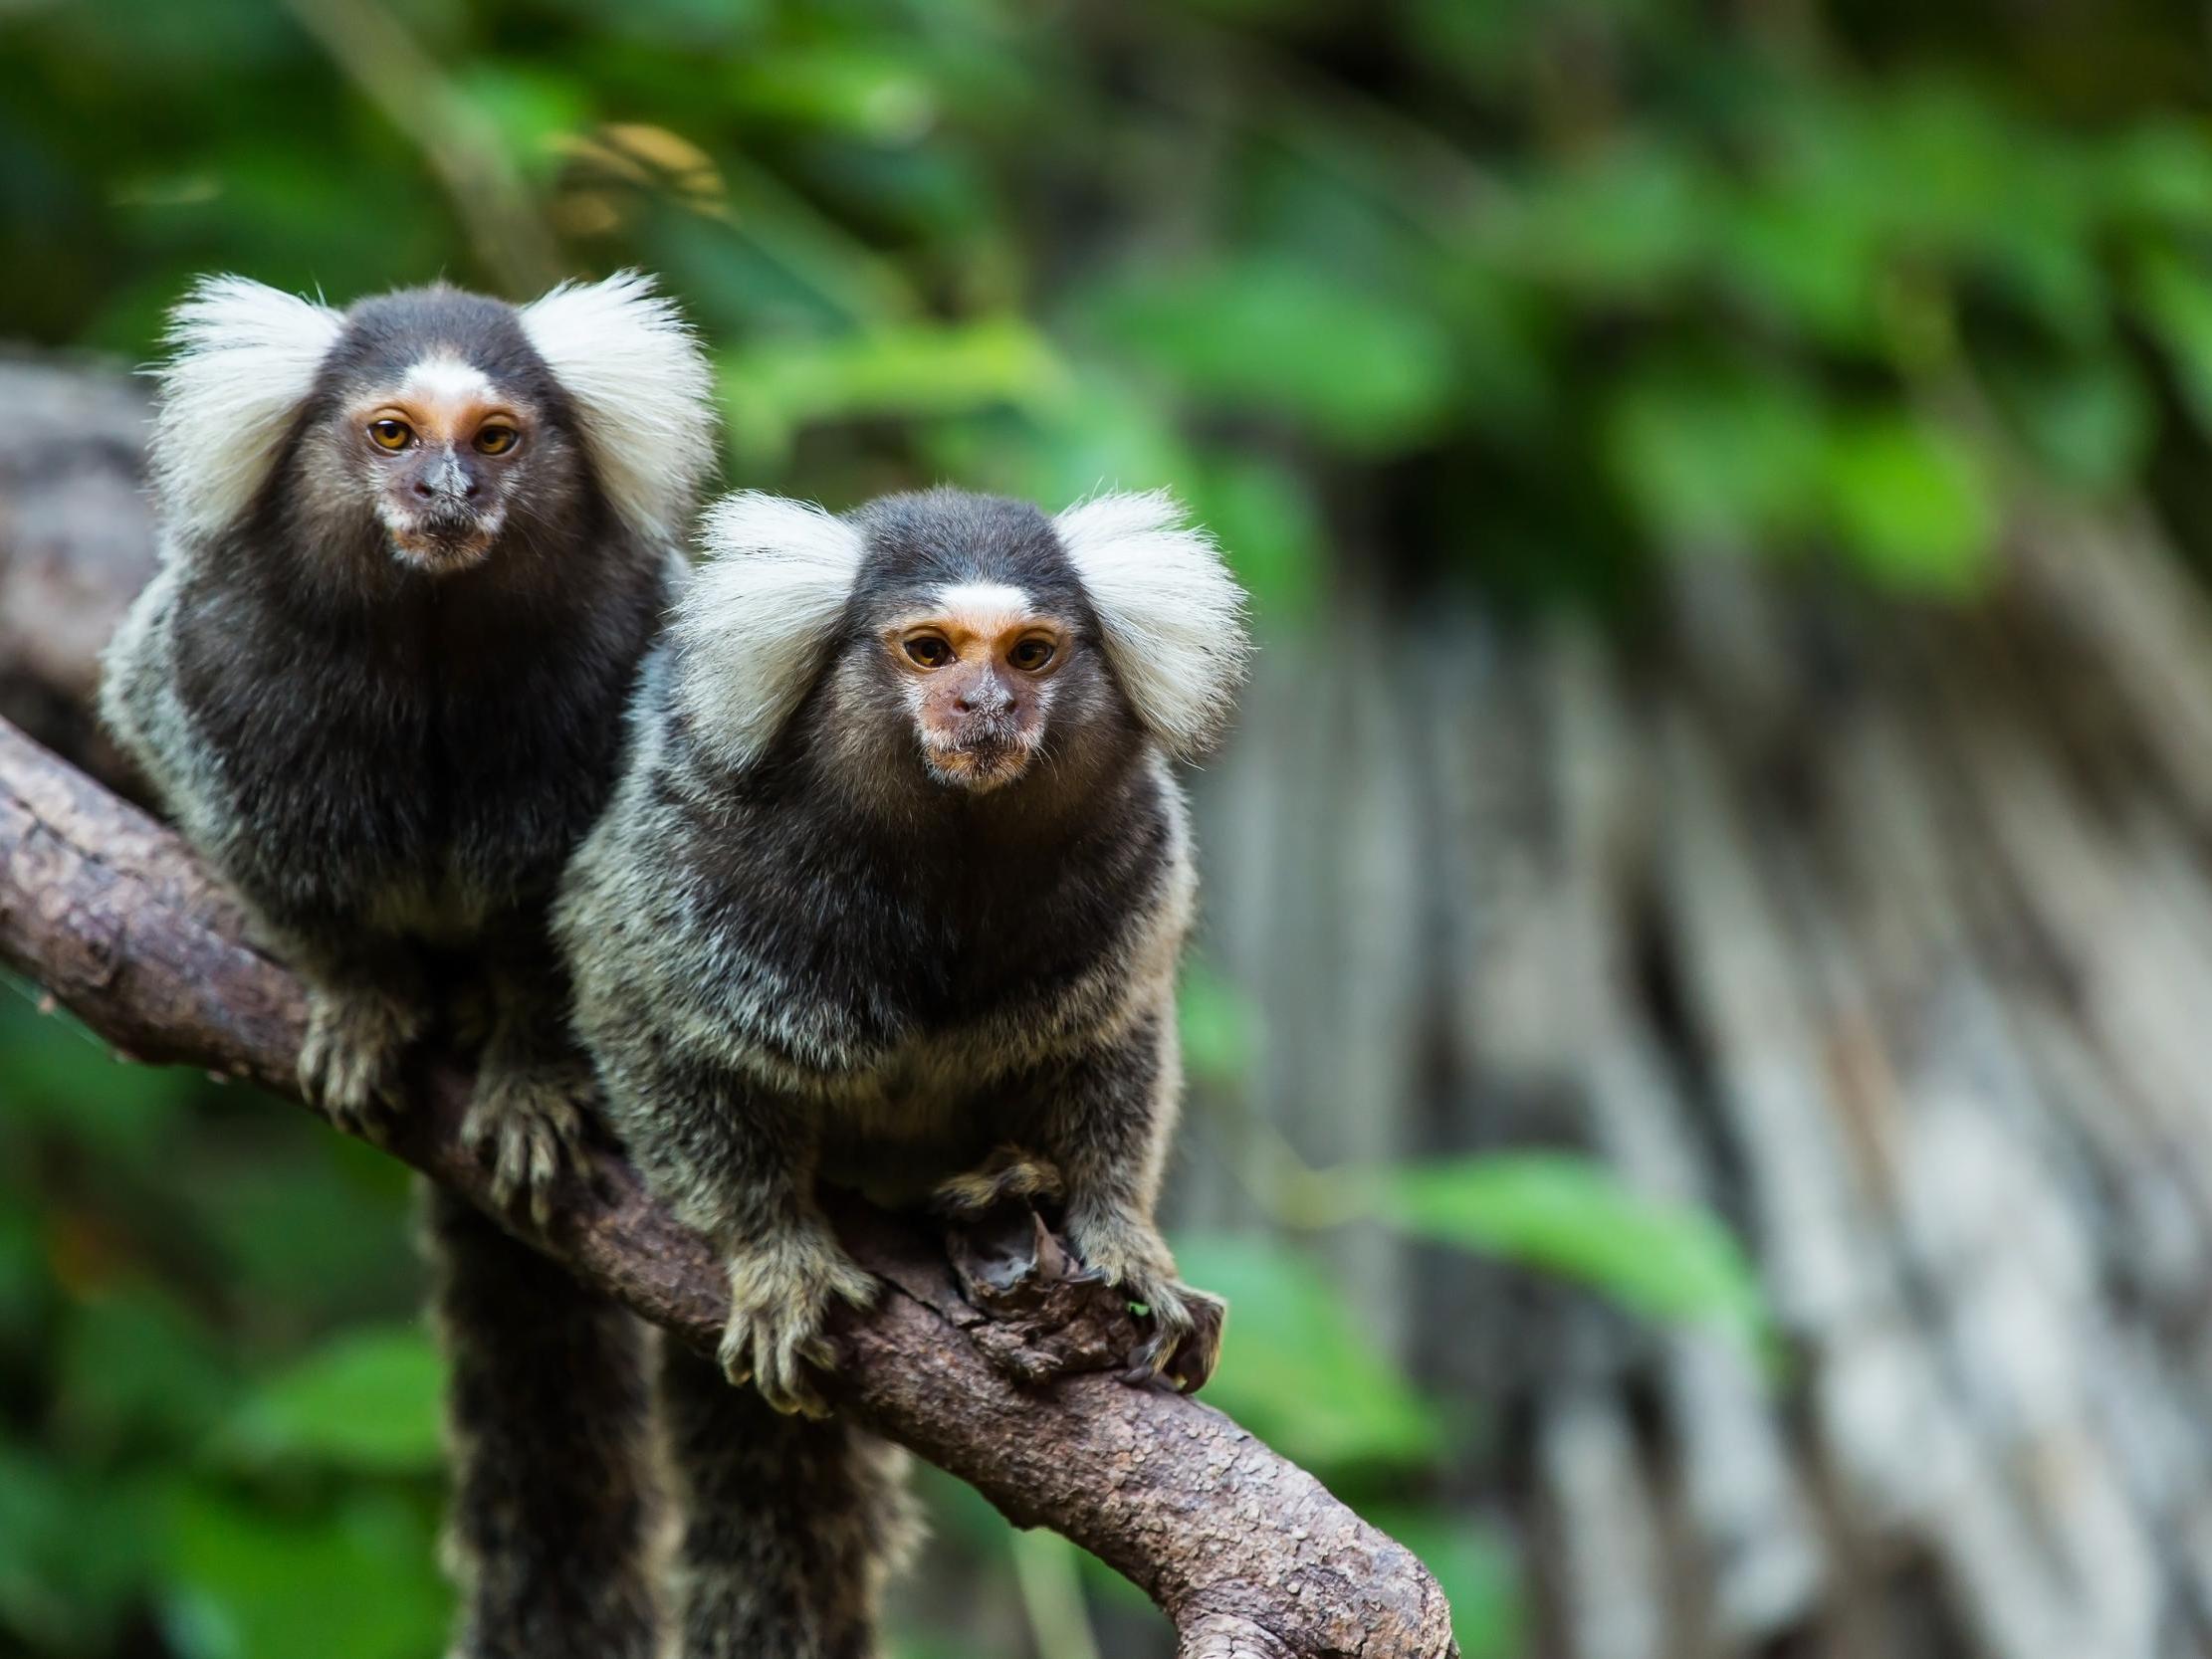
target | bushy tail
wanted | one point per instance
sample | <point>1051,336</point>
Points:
<point>790,1526</point>
<point>548,1413</point>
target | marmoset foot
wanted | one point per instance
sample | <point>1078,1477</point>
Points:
<point>528,1123</point>
<point>778,1301</point>
<point>1186,1333</point>
<point>1186,1340</point>
<point>349,1061</point>
<point>1009,1175</point>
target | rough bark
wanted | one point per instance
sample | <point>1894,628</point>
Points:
<point>1247,1553</point>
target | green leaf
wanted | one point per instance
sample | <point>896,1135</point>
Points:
<point>1296,1369</point>
<point>369,1401</point>
<point>251,1583</point>
<point>529,109</point>
<point>1626,222</point>
<point>1572,1216</point>
<point>308,1225</point>
<point>1105,435</point>
<point>2176,296</point>
<point>853,87</point>
<point>2162,170</point>
<point>775,390</point>
<point>1910,503</point>
<point>138,1370</point>
<point>2089,418</point>
<point>1714,456</point>
<point>76,1551</point>
<point>1267,337</point>
<point>1814,267</point>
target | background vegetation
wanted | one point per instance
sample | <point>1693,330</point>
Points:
<point>1523,297</point>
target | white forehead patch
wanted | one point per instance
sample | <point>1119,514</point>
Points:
<point>445,378</point>
<point>981,604</point>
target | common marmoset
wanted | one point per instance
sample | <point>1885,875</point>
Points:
<point>891,894</point>
<point>411,555</point>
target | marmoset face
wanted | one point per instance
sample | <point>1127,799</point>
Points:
<point>444,452</point>
<point>435,417</point>
<point>942,641</point>
<point>976,667</point>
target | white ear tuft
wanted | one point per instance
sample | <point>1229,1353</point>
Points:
<point>754,619</point>
<point>243,358</point>
<point>1173,616</point>
<point>641,388</point>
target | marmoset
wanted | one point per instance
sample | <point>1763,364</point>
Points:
<point>412,553</point>
<point>892,893</point>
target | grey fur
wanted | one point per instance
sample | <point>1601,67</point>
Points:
<point>808,957</point>
<point>382,692</point>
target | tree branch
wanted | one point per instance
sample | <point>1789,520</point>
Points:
<point>1245,1552</point>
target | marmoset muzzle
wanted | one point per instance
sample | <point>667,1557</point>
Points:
<point>437,516</point>
<point>980,736</point>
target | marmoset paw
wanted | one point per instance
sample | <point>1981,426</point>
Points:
<point>349,1061</point>
<point>1129,1254</point>
<point>1009,1175</point>
<point>779,1301</point>
<point>529,1125</point>
<point>1186,1334</point>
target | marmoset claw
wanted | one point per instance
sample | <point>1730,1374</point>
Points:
<point>529,1125</point>
<point>351,1057</point>
<point>1187,1336</point>
<point>779,1300</point>
<point>1129,1254</point>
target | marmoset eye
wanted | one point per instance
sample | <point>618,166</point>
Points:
<point>495,440</point>
<point>1031,654</point>
<point>928,651</point>
<point>391,434</point>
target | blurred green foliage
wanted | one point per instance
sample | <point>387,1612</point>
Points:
<point>1529,295</point>
<point>1537,292</point>
<point>218,1424</point>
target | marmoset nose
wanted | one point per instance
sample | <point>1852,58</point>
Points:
<point>450,483</point>
<point>980,696</point>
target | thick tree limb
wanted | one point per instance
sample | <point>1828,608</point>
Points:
<point>1247,1553</point>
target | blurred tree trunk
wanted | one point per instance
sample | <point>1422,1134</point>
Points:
<point>1887,929</point>
<point>75,543</point>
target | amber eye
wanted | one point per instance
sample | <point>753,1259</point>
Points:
<point>1031,654</point>
<point>495,440</point>
<point>391,434</point>
<point>928,651</point>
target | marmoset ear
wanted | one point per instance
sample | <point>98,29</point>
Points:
<point>242,359</point>
<point>754,619</point>
<point>640,384</point>
<point>1172,615</point>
